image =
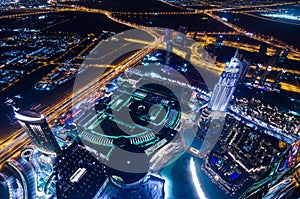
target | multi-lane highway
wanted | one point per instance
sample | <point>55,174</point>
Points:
<point>19,139</point>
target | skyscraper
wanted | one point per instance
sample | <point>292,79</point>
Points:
<point>212,119</point>
<point>226,85</point>
<point>169,46</point>
<point>244,70</point>
<point>38,130</point>
<point>265,75</point>
<point>256,73</point>
<point>278,78</point>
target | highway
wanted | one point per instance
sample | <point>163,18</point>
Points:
<point>19,139</point>
<point>263,38</point>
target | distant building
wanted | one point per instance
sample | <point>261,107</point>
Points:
<point>168,35</point>
<point>218,45</point>
<point>32,2</point>
<point>286,52</point>
<point>278,78</point>
<point>181,38</point>
<point>283,57</point>
<point>38,130</point>
<point>256,73</point>
<point>263,49</point>
<point>169,46</point>
<point>244,70</point>
<point>274,58</point>
<point>265,75</point>
<point>226,85</point>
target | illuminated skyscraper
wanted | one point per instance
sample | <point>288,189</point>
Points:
<point>213,117</point>
<point>38,130</point>
<point>226,85</point>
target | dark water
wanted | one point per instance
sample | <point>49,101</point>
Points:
<point>127,6</point>
<point>286,32</point>
<point>199,22</point>
<point>88,23</point>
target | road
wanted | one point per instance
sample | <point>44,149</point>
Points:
<point>19,139</point>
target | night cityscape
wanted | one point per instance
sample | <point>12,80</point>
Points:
<point>152,99</point>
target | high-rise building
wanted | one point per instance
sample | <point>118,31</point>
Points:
<point>38,130</point>
<point>265,75</point>
<point>226,85</point>
<point>212,117</point>
<point>282,180</point>
<point>256,73</point>
<point>286,52</point>
<point>168,35</point>
<point>263,49</point>
<point>278,78</point>
<point>169,46</point>
<point>244,70</point>
<point>273,60</point>
<point>181,38</point>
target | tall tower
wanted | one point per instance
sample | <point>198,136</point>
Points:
<point>244,70</point>
<point>256,73</point>
<point>213,117</point>
<point>181,38</point>
<point>265,75</point>
<point>169,46</point>
<point>278,78</point>
<point>226,85</point>
<point>38,130</point>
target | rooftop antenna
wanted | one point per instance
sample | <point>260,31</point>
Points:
<point>236,53</point>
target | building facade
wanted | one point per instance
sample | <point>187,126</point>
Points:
<point>38,130</point>
<point>223,90</point>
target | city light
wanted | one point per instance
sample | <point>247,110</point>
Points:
<point>196,181</point>
<point>204,88</point>
<point>282,16</point>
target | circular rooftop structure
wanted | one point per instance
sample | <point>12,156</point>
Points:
<point>28,116</point>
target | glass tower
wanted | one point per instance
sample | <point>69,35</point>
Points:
<point>226,85</point>
<point>38,130</point>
